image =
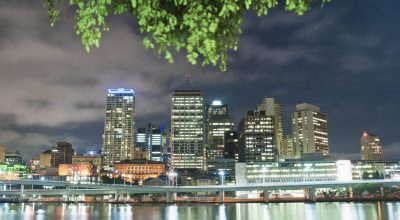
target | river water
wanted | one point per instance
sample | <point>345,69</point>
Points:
<point>251,211</point>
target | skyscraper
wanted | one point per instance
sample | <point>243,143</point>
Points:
<point>119,126</point>
<point>274,109</point>
<point>310,130</point>
<point>61,153</point>
<point>371,148</point>
<point>218,121</point>
<point>231,145</point>
<point>187,129</point>
<point>257,137</point>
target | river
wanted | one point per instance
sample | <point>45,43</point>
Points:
<point>251,211</point>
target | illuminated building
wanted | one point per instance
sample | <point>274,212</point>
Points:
<point>119,126</point>
<point>2,154</point>
<point>371,148</point>
<point>13,157</point>
<point>256,137</point>
<point>96,160</point>
<point>310,130</point>
<point>187,131</point>
<point>61,154</point>
<point>45,159</point>
<point>82,169</point>
<point>12,172</point>
<point>288,146</point>
<point>151,139</point>
<point>34,163</point>
<point>135,170</point>
<point>274,109</point>
<point>218,121</point>
<point>231,145</point>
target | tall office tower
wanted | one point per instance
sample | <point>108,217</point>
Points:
<point>231,145</point>
<point>371,148</point>
<point>218,121</point>
<point>310,130</point>
<point>166,135</point>
<point>61,153</point>
<point>288,146</point>
<point>256,137</point>
<point>187,129</point>
<point>141,138</point>
<point>274,109</point>
<point>155,143</point>
<point>119,126</point>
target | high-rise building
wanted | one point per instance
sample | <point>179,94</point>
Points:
<point>218,121</point>
<point>141,138</point>
<point>119,126</point>
<point>371,148</point>
<point>231,145</point>
<point>257,137</point>
<point>61,153</point>
<point>151,139</point>
<point>310,130</point>
<point>187,129</point>
<point>13,157</point>
<point>288,146</point>
<point>274,109</point>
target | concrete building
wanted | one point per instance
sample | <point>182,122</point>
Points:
<point>275,110</point>
<point>61,154</point>
<point>187,129</point>
<point>45,159</point>
<point>218,122</point>
<point>82,169</point>
<point>151,139</point>
<point>257,137</point>
<point>119,126</point>
<point>288,147</point>
<point>309,130</point>
<point>371,148</point>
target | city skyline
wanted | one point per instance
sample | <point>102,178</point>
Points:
<point>53,90</point>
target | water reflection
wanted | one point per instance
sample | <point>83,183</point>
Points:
<point>254,211</point>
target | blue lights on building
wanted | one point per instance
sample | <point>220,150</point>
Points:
<point>121,91</point>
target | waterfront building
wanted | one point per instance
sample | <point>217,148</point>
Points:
<point>221,164</point>
<point>231,145</point>
<point>2,154</point>
<point>310,130</point>
<point>218,122</point>
<point>81,169</point>
<point>187,129</point>
<point>95,160</point>
<point>61,154</point>
<point>13,157</point>
<point>257,138</point>
<point>275,110</point>
<point>45,159</point>
<point>138,170</point>
<point>371,148</point>
<point>151,139</point>
<point>119,126</point>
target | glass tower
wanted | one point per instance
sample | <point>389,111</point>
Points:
<point>119,126</point>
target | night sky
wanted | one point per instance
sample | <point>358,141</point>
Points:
<point>344,58</point>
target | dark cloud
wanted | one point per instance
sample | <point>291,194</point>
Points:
<point>343,57</point>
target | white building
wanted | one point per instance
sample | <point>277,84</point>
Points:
<point>310,130</point>
<point>119,126</point>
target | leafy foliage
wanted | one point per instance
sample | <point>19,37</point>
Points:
<point>206,29</point>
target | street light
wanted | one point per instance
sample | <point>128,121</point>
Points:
<point>221,173</point>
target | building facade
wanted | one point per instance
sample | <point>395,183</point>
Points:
<point>136,170</point>
<point>218,122</point>
<point>119,126</point>
<point>2,154</point>
<point>309,130</point>
<point>257,138</point>
<point>371,148</point>
<point>231,145</point>
<point>13,157</point>
<point>95,160</point>
<point>61,153</point>
<point>45,159</point>
<point>275,110</point>
<point>151,139</point>
<point>187,129</point>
